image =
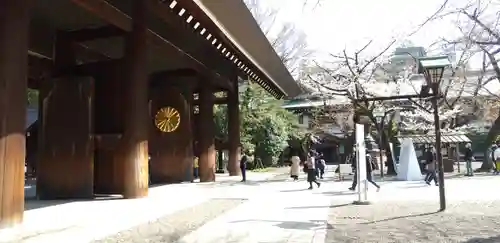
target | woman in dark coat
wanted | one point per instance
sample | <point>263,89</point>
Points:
<point>311,172</point>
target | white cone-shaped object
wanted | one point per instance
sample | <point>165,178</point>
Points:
<point>409,170</point>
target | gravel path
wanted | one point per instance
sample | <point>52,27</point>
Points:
<point>172,227</point>
<point>414,222</point>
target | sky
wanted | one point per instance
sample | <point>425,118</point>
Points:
<point>336,25</point>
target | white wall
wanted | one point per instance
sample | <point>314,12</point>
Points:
<point>305,121</point>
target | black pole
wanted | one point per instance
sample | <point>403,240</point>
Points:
<point>437,131</point>
<point>380,147</point>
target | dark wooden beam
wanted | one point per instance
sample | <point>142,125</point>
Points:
<point>39,67</point>
<point>217,101</point>
<point>170,75</point>
<point>211,56</point>
<point>90,68</point>
<point>159,79</point>
<point>42,37</point>
<point>166,74</point>
<point>200,16</point>
<point>87,54</point>
<point>92,33</point>
<point>202,56</point>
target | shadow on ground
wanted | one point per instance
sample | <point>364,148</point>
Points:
<point>297,190</point>
<point>329,206</point>
<point>290,225</point>
<point>476,175</point>
<point>31,203</point>
<point>339,193</point>
<point>400,217</point>
<point>493,239</point>
<point>249,182</point>
<point>420,185</point>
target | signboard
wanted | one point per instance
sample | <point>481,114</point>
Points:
<point>361,164</point>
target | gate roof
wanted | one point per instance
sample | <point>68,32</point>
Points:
<point>238,24</point>
<point>220,36</point>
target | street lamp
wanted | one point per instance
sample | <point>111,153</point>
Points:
<point>379,114</point>
<point>433,69</point>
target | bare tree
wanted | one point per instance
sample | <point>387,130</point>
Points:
<point>478,25</point>
<point>354,76</point>
<point>351,76</point>
<point>287,40</point>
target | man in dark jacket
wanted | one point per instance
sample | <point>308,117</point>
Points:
<point>369,170</point>
<point>468,156</point>
<point>243,167</point>
<point>430,157</point>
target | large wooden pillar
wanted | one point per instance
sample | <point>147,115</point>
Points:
<point>109,112</point>
<point>206,143</point>
<point>134,143</point>
<point>14,22</point>
<point>64,166</point>
<point>233,114</point>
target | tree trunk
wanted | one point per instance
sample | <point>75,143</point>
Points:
<point>492,134</point>
<point>388,154</point>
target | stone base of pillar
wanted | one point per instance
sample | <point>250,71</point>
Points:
<point>108,175</point>
<point>234,162</point>
<point>207,164</point>
<point>170,169</point>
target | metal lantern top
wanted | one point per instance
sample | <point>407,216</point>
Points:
<point>433,67</point>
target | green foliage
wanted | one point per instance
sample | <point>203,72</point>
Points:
<point>32,96</point>
<point>267,169</point>
<point>265,128</point>
<point>220,118</point>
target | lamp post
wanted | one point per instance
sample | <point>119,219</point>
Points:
<point>379,115</point>
<point>433,69</point>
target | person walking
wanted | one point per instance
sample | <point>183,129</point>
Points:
<point>431,167</point>
<point>492,156</point>
<point>295,168</point>
<point>468,156</point>
<point>369,172</point>
<point>496,160</point>
<point>321,167</point>
<point>311,172</point>
<point>243,167</point>
<point>195,167</point>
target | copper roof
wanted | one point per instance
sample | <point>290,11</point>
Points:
<point>431,139</point>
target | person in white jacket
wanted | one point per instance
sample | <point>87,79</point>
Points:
<point>295,168</point>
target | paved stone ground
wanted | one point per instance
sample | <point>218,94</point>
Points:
<point>277,210</point>
<point>414,222</point>
<point>171,228</point>
<point>283,211</point>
